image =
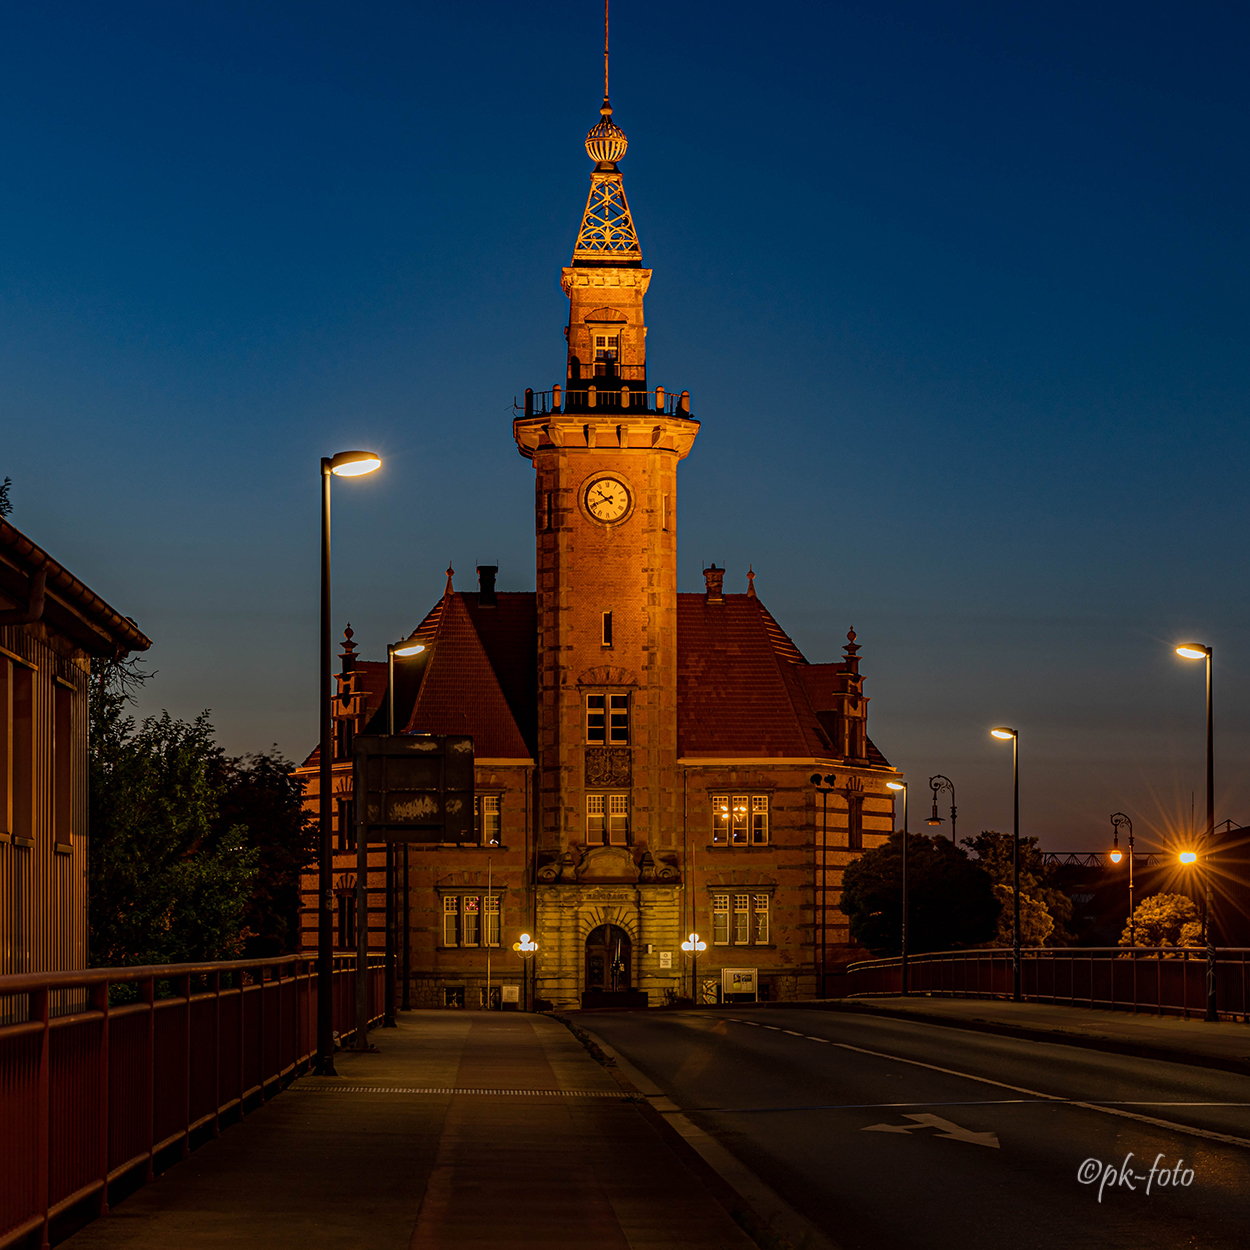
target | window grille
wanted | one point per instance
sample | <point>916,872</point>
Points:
<point>618,819</point>
<point>739,819</point>
<point>740,919</point>
<point>595,826</point>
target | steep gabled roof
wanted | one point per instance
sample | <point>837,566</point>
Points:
<point>460,693</point>
<point>738,692</point>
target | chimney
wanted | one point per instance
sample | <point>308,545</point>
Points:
<point>486,585</point>
<point>715,579</point>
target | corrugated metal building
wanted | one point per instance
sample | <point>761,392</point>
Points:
<point>50,627</point>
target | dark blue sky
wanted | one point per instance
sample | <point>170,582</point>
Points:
<point>959,290</point>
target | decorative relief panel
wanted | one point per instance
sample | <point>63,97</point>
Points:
<point>608,768</point>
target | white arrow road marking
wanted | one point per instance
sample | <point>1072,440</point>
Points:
<point>947,1130</point>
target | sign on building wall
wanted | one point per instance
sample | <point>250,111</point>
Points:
<point>739,984</point>
<point>414,787</point>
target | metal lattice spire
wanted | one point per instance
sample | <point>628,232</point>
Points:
<point>607,231</point>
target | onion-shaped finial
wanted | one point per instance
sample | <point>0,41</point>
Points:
<point>606,142</point>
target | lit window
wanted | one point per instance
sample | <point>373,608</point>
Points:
<point>486,818</point>
<point>451,920</point>
<point>607,346</point>
<point>492,919</point>
<point>742,919</point>
<point>606,639</point>
<point>739,819</point>
<point>720,919</point>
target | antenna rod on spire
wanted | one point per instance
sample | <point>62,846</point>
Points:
<point>605,49</point>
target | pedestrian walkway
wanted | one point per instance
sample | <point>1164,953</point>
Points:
<point>1223,1044</point>
<point>466,1129</point>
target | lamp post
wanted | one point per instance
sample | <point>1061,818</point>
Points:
<point>824,786</point>
<point>1199,651</point>
<point>1120,821</point>
<point>902,785</point>
<point>938,784</point>
<point>526,949</point>
<point>1014,734</point>
<point>692,946</point>
<point>409,647</point>
<point>345,464</point>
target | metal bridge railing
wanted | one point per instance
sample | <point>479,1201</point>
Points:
<point>1164,980</point>
<point>93,1087</point>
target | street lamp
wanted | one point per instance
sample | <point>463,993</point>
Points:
<point>1120,821</point>
<point>1014,734</point>
<point>902,785</point>
<point>409,647</point>
<point>938,784</point>
<point>345,464</point>
<point>824,787</point>
<point>692,946</point>
<point>1199,651</point>
<point>527,949</point>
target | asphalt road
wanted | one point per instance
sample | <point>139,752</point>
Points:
<point>887,1133</point>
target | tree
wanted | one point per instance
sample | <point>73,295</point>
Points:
<point>951,900</point>
<point>261,792</point>
<point>1044,909</point>
<point>168,881</point>
<point>6,504</point>
<point>1165,920</point>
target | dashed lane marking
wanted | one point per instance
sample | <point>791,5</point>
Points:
<point>1170,1125</point>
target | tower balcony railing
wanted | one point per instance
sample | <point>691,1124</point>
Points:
<point>590,398</point>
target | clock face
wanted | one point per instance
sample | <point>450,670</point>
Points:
<point>607,499</point>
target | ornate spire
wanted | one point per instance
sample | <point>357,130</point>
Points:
<point>751,582</point>
<point>450,589</point>
<point>607,231</point>
<point>348,654</point>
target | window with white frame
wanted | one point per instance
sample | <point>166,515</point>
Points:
<point>739,819</point>
<point>740,919</point>
<point>607,719</point>
<point>607,819</point>
<point>487,815</point>
<point>471,919</point>
<point>607,346</point>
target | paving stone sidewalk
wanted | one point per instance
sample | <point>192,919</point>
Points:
<point>467,1129</point>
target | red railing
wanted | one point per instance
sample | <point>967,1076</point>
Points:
<point>93,1088</point>
<point>1161,979</point>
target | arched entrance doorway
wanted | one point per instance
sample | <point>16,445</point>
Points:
<point>609,959</point>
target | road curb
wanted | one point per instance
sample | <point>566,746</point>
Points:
<point>724,1175</point>
<point>1111,1045</point>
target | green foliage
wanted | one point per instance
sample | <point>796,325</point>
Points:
<point>261,792</point>
<point>1045,911</point>
<point>951,900</point>
<point>168,882</point>
<point>1165,920</point>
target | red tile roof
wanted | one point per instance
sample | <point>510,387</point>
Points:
<point>737,688</point>
<point>743,687</point>
<point>460,693</point>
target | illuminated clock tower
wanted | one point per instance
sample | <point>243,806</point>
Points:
<point>605,447</point>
